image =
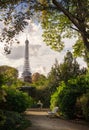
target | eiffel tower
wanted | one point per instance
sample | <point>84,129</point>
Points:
<point>26,71</point>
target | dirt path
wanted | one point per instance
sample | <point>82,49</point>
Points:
<point>40,121</point>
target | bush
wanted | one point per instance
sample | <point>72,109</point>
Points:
<point>66,96</point>
<point>55,96</point>
<point>85,105</point>
<point>2,118</point>
<point>14,121</point>
<point>16,100</point>
<point>65,99</point>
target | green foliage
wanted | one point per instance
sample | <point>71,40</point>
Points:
<point>79,48</point>
<point>54,96</point>
<point>66,20</point>
<point>44,96</point>
<point>2,98</point>
<point>38,80</point>
<point>84,100</point>
<point>81,51</point>
<point>63,72</point>
<point>52,31</point>
<point>14,121</point>
<point>2,92</point>
<point>66,95</point>
<point>16,100</point>
<point>18,83</point>
<point>9,74</point>
<point>2,95</point>
<point>41,93</point>
<point>67,105</point>
<point>59,19</point>
<point>2,118</point>
<point>41,89</point>
<point>54,77</point>
<point>1,79</point>
<point>70,67</point>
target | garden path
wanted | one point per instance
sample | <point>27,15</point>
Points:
<point>40,121</point>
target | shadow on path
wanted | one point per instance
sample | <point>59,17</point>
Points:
<point>40,121</point>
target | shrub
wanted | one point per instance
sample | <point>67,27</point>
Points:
<point>16,100</point>
<point>14,121</point>
<point>54,97</point>
<point>2,118</point>
<point>67,100</point>
<point>85,105</point>
<point>66,96</point>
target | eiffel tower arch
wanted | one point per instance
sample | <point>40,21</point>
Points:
<point>26,75</point>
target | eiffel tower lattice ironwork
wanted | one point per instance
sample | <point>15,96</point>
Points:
<point>26,72</point>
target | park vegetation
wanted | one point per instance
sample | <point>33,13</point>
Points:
<point>12,101</point>
<point>66,85</point>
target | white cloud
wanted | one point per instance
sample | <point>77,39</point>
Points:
<point>17,53</point>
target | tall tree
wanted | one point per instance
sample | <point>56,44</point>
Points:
<point>70,67</point>
<point>63,72</point>
<point>54,77</point>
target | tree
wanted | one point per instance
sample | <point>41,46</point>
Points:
<point>84,100</point>
<point>80,51</point>
<point>71,21</point>
<point>63,72</point>
<point>9,74</point>
<point>75,16</point>
<point>16,100</point>
<point>59,19</point>
<point>39,79</point>
<point>66,95</point>
<point>70,68</point>
<point>77,12</point>
<point>41,91</point>
<point>35,77</point>
<point>54,77</point>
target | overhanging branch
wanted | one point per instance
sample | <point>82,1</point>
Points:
<point>67,13</point>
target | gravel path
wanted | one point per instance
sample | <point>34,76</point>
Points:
<point>40,121</point>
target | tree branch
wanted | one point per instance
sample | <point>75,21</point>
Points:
<point>79,24</point>
<point>75,29</point>
<point>67,13</point>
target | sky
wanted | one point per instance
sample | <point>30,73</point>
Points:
<point>41,56</point>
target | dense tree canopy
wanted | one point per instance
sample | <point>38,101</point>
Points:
<point>73,97</point>
<point>65,71</point>
<point>9,74</point>
<point>59,19</point>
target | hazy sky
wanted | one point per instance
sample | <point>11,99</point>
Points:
<point>41,56</point>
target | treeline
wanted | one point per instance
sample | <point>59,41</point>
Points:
<point>66,86</point>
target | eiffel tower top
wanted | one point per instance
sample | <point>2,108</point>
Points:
<point>26,42</point>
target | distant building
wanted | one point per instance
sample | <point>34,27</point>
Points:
<point>26,75</point>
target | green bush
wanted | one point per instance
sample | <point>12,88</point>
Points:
<point>2,118</point>
<point>14,121</point>
<point>54,97</point>
<point>66,96</point>
<point>16,100</point>
<point>85,105</point>
<point>67,100</point>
